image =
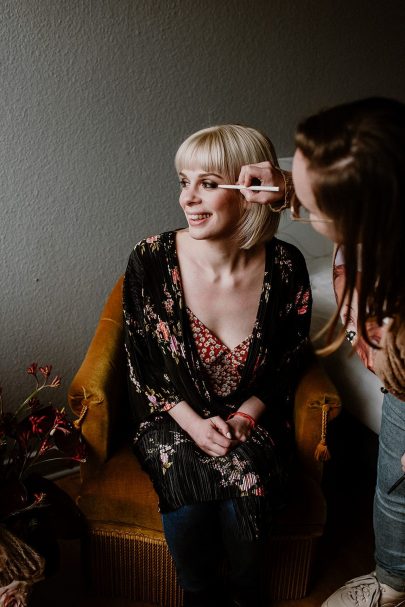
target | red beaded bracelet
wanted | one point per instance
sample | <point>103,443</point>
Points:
<point>245,415</point>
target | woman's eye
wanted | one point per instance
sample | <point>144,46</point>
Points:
<point>183,184</point>
<point>209,185</point>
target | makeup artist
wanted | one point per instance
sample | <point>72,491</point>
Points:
<point>349,179</point>
<point>216,332</point>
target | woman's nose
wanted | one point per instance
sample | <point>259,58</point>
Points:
<point>192,195</point>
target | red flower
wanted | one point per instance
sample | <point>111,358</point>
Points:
<point>39,498</point>
<point>46,371</point>
<point>39,424</point>
<point>301,302</point>
<point>32,370</point>
<point>55,383</point>
<point>45,446</point>
<point>61,422</point>
<point>152,239</point>
<point>34,434</point>
<point>175,275</point>
<point>162,327</point>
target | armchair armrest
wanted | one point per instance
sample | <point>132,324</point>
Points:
<point>316,401</point>
<point>98,391</point>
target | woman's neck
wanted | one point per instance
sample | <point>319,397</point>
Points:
<point>220,257</point>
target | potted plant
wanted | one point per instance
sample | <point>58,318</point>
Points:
<point>34,512</point>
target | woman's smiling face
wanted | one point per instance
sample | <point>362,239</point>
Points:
<point>211,212</point>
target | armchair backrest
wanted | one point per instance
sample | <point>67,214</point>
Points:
<point>100,383</point>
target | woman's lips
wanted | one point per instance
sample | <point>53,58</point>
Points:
<point>198,216</point>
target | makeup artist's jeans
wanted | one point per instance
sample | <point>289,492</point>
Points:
<point>389,510</point>
<point>197,535</point>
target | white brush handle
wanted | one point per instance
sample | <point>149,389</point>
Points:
<point>254,188</point>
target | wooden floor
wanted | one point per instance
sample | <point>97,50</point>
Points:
<point>345,551</point>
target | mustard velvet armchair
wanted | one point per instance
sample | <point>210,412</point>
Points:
<point>125,553</point>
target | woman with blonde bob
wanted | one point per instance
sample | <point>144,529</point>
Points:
<point>217,318</point>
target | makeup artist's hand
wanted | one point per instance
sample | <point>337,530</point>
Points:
<point>212,436</point>
<point>403,463</point>
<point>267,174</point>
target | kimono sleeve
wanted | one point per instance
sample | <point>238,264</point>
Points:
<point>291,351</point>
<point>150,387</point>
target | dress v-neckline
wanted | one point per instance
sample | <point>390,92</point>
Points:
<point>218,339</point>
<point>254,345</point>
<point>263,293</point>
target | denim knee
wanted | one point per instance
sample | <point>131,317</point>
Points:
<point>389,510</point>
<point>192,536</point>
<point>199,536</point>
<point>244,556</point>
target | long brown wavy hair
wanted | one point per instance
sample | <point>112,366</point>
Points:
<point>356,163</point>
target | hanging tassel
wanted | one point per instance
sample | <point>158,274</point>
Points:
<point>79,421</point>
<point>322,453</point>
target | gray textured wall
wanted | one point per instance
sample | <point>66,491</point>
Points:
<point>96,95</point>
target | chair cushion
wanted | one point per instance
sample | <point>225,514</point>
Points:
<point>120,492</point>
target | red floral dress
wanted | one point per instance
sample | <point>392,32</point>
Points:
<point>223,366</point>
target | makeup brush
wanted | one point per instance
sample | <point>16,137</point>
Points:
<point>254,188</point>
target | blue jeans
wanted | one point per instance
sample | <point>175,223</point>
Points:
<point>389,510</point>
<point>197,536</point>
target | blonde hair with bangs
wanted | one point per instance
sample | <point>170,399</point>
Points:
<point>225,149</point>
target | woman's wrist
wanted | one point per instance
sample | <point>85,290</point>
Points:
<point>253,406</point>
<point>185,416</point>
<point>246,416</point>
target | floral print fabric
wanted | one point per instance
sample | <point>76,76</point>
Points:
<point>168,362</point>
<point>223,366</point>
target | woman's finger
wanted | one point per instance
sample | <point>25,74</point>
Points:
<point>266,174</point>
<point>263,171</point>
<point>221,425</point>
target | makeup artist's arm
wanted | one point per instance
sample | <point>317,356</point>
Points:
<point>267,174</point>
<point>210,434</point>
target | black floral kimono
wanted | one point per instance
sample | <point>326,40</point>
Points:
<point>164,368</point>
